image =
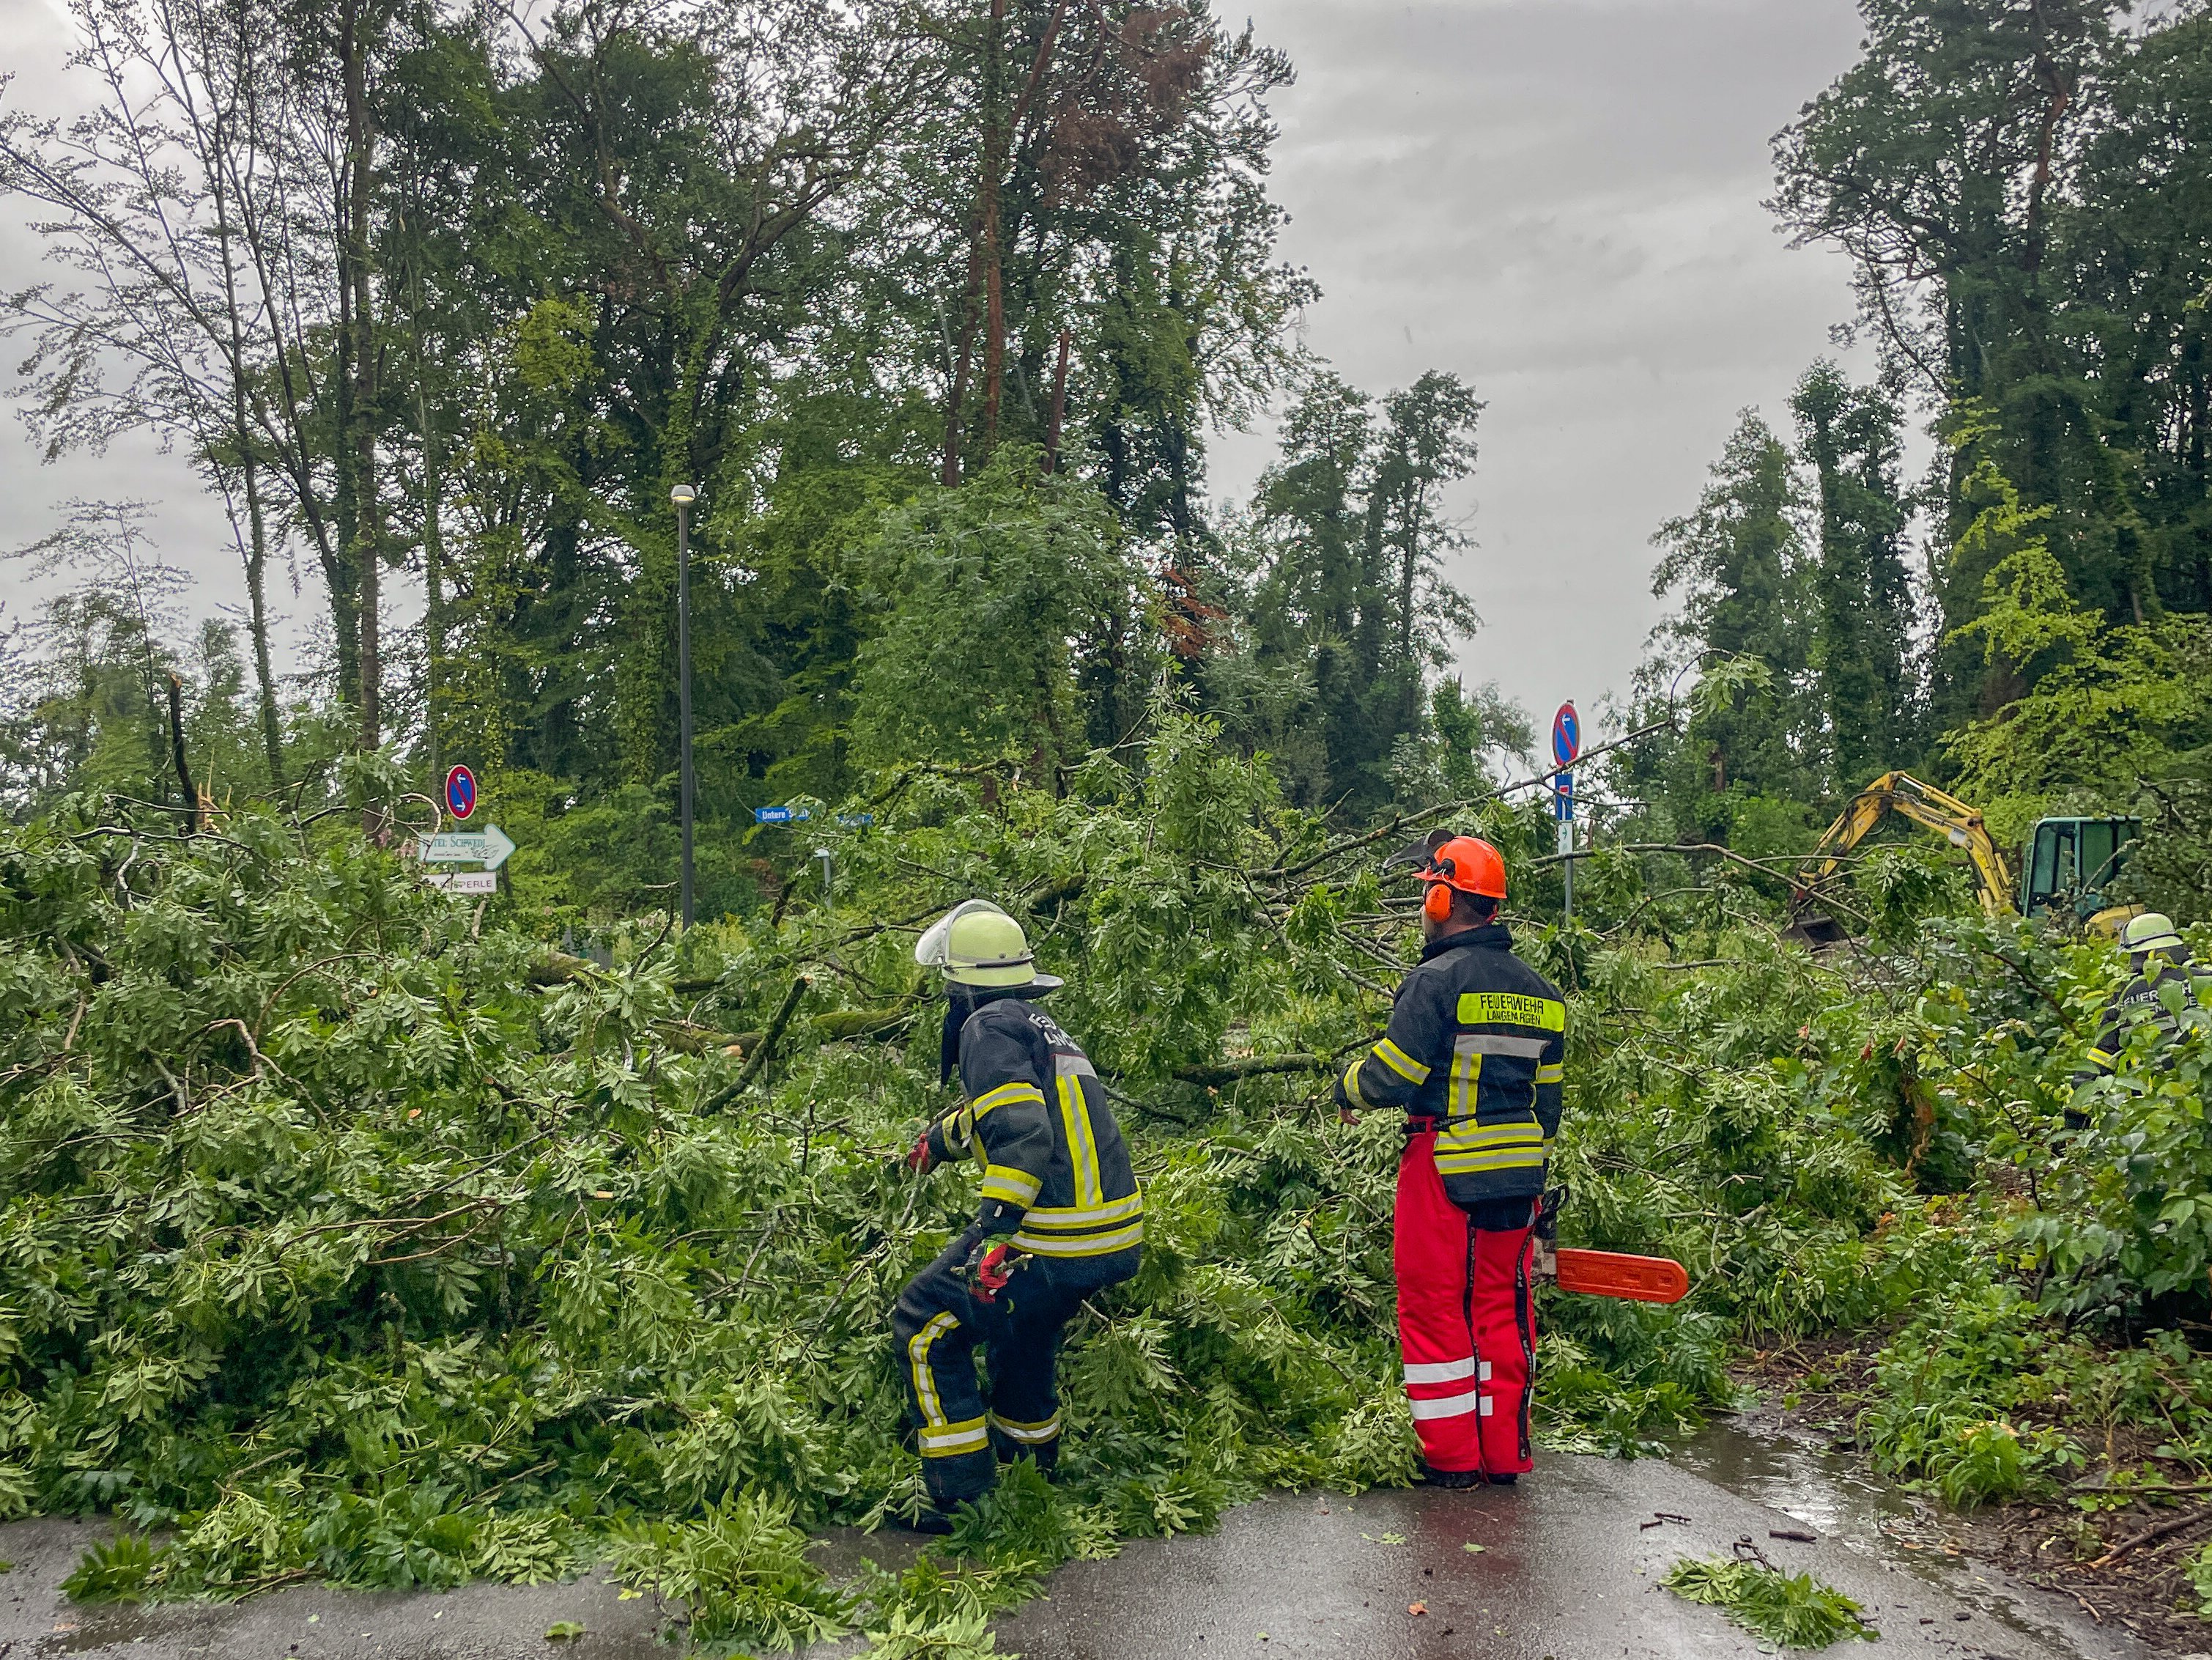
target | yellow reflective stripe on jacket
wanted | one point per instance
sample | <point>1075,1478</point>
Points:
<point>2103,1059</point>
<point>1351,1084</point>
<point>1512,1008</point>
<point>1078,1217</point>
<point>1005,1096</point>
<point>1466,1149</point>
<point>1083,1230</point>
<point>1010,1186</point>
<point>1082,1145</point>
<point>1400,1062</point>
<point>1553,1073</point>
<point>1466,1074</point>
<point>1087,1244</point>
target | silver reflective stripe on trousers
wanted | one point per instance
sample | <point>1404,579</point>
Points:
<point>1441,1371</point>
<point>1452,1406</point>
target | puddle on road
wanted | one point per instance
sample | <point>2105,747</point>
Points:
<point>1832,1493</point>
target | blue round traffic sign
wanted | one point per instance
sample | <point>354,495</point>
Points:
<point>1566,735</point>
<point>460,792</point>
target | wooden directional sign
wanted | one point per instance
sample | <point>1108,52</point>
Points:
<point>487,847</point>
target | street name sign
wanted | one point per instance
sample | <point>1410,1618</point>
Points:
<point>464,881</point>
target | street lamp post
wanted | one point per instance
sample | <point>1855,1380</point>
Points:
<point>684,495</point>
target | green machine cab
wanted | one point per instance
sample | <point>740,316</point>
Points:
<point>2070,862</point>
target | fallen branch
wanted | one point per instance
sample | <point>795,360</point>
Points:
<point>1408,821</point>
<point>757,1058</point>
<point>2153,1533</point>
<point>1258,1065</point>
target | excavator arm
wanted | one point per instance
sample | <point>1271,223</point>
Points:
<point>1924,804</point>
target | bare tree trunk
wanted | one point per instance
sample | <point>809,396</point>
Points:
<point>257,622</point>
<point>361,439</point>
<point>1059,406</point>
<point>433,573</point>
<point>994,167</point>
<point>958,396</point>
<point>257,521</point>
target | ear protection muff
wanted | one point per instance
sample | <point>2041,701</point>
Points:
<point>1436,907</point>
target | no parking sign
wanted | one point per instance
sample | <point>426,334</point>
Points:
<point>460,792</point>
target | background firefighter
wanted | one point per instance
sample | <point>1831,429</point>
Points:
<point>1060,1215</point>
<point>2163,980</point>
<point>1473,1057</point>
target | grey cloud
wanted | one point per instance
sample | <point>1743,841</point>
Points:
<point>1560,200</point>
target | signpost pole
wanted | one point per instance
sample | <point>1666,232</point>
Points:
<point>1566,840</point>
<point>1566,745</point>
<point>683,495</point>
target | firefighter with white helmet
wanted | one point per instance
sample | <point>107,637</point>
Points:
<point>1058,1216</point>
<point>2163,981</point>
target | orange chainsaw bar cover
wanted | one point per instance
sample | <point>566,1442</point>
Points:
<point>1639,1279</point>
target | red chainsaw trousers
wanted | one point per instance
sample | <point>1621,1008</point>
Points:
<point>1467,1323</point>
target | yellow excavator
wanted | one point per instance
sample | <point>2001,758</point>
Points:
<point>2065,866</point>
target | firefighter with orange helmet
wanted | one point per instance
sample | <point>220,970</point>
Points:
<point>1473,1057</point>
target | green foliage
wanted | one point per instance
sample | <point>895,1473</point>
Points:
<point>352,1234</point>
<point>117,1570</point>
<point>904,1638</point>
<point>740,1571</point>
<point>994,600</point>
<point>2097,709</point>
<point>1946,1385</point>
<point>1795,1610</point>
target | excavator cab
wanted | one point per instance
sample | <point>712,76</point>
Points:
<point>2070,862</point>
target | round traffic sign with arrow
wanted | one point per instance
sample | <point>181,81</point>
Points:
<point>460,792</point>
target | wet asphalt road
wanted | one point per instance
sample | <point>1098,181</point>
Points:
<point>1567,1570</point>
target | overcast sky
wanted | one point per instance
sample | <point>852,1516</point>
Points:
<point>1557,199</point>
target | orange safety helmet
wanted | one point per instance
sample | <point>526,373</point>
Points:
<point>1465,862</point>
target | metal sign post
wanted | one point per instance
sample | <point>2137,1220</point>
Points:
<point>1566,745</point>
<point>683,495</point>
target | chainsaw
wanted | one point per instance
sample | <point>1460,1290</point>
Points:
<point>1605,1273</point>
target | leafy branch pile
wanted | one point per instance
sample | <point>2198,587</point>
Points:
<point>1794,1610</point>
<point>352,1233</point>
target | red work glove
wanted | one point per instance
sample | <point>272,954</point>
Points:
<point>921,1158</point>
<point>991,1268</point>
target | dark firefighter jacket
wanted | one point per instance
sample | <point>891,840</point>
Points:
<point>1056,1173</point>
<point>2144,997</point>
<point>1475,1048</point>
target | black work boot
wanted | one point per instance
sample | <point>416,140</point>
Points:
<point>1455,1480</point>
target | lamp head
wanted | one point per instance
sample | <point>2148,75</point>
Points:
<point>684,495</point>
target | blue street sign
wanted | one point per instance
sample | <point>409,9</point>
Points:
<point>1566,735</point>
<point>779,815</point>
<point>1563,799</point>
<point>460,792</point>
